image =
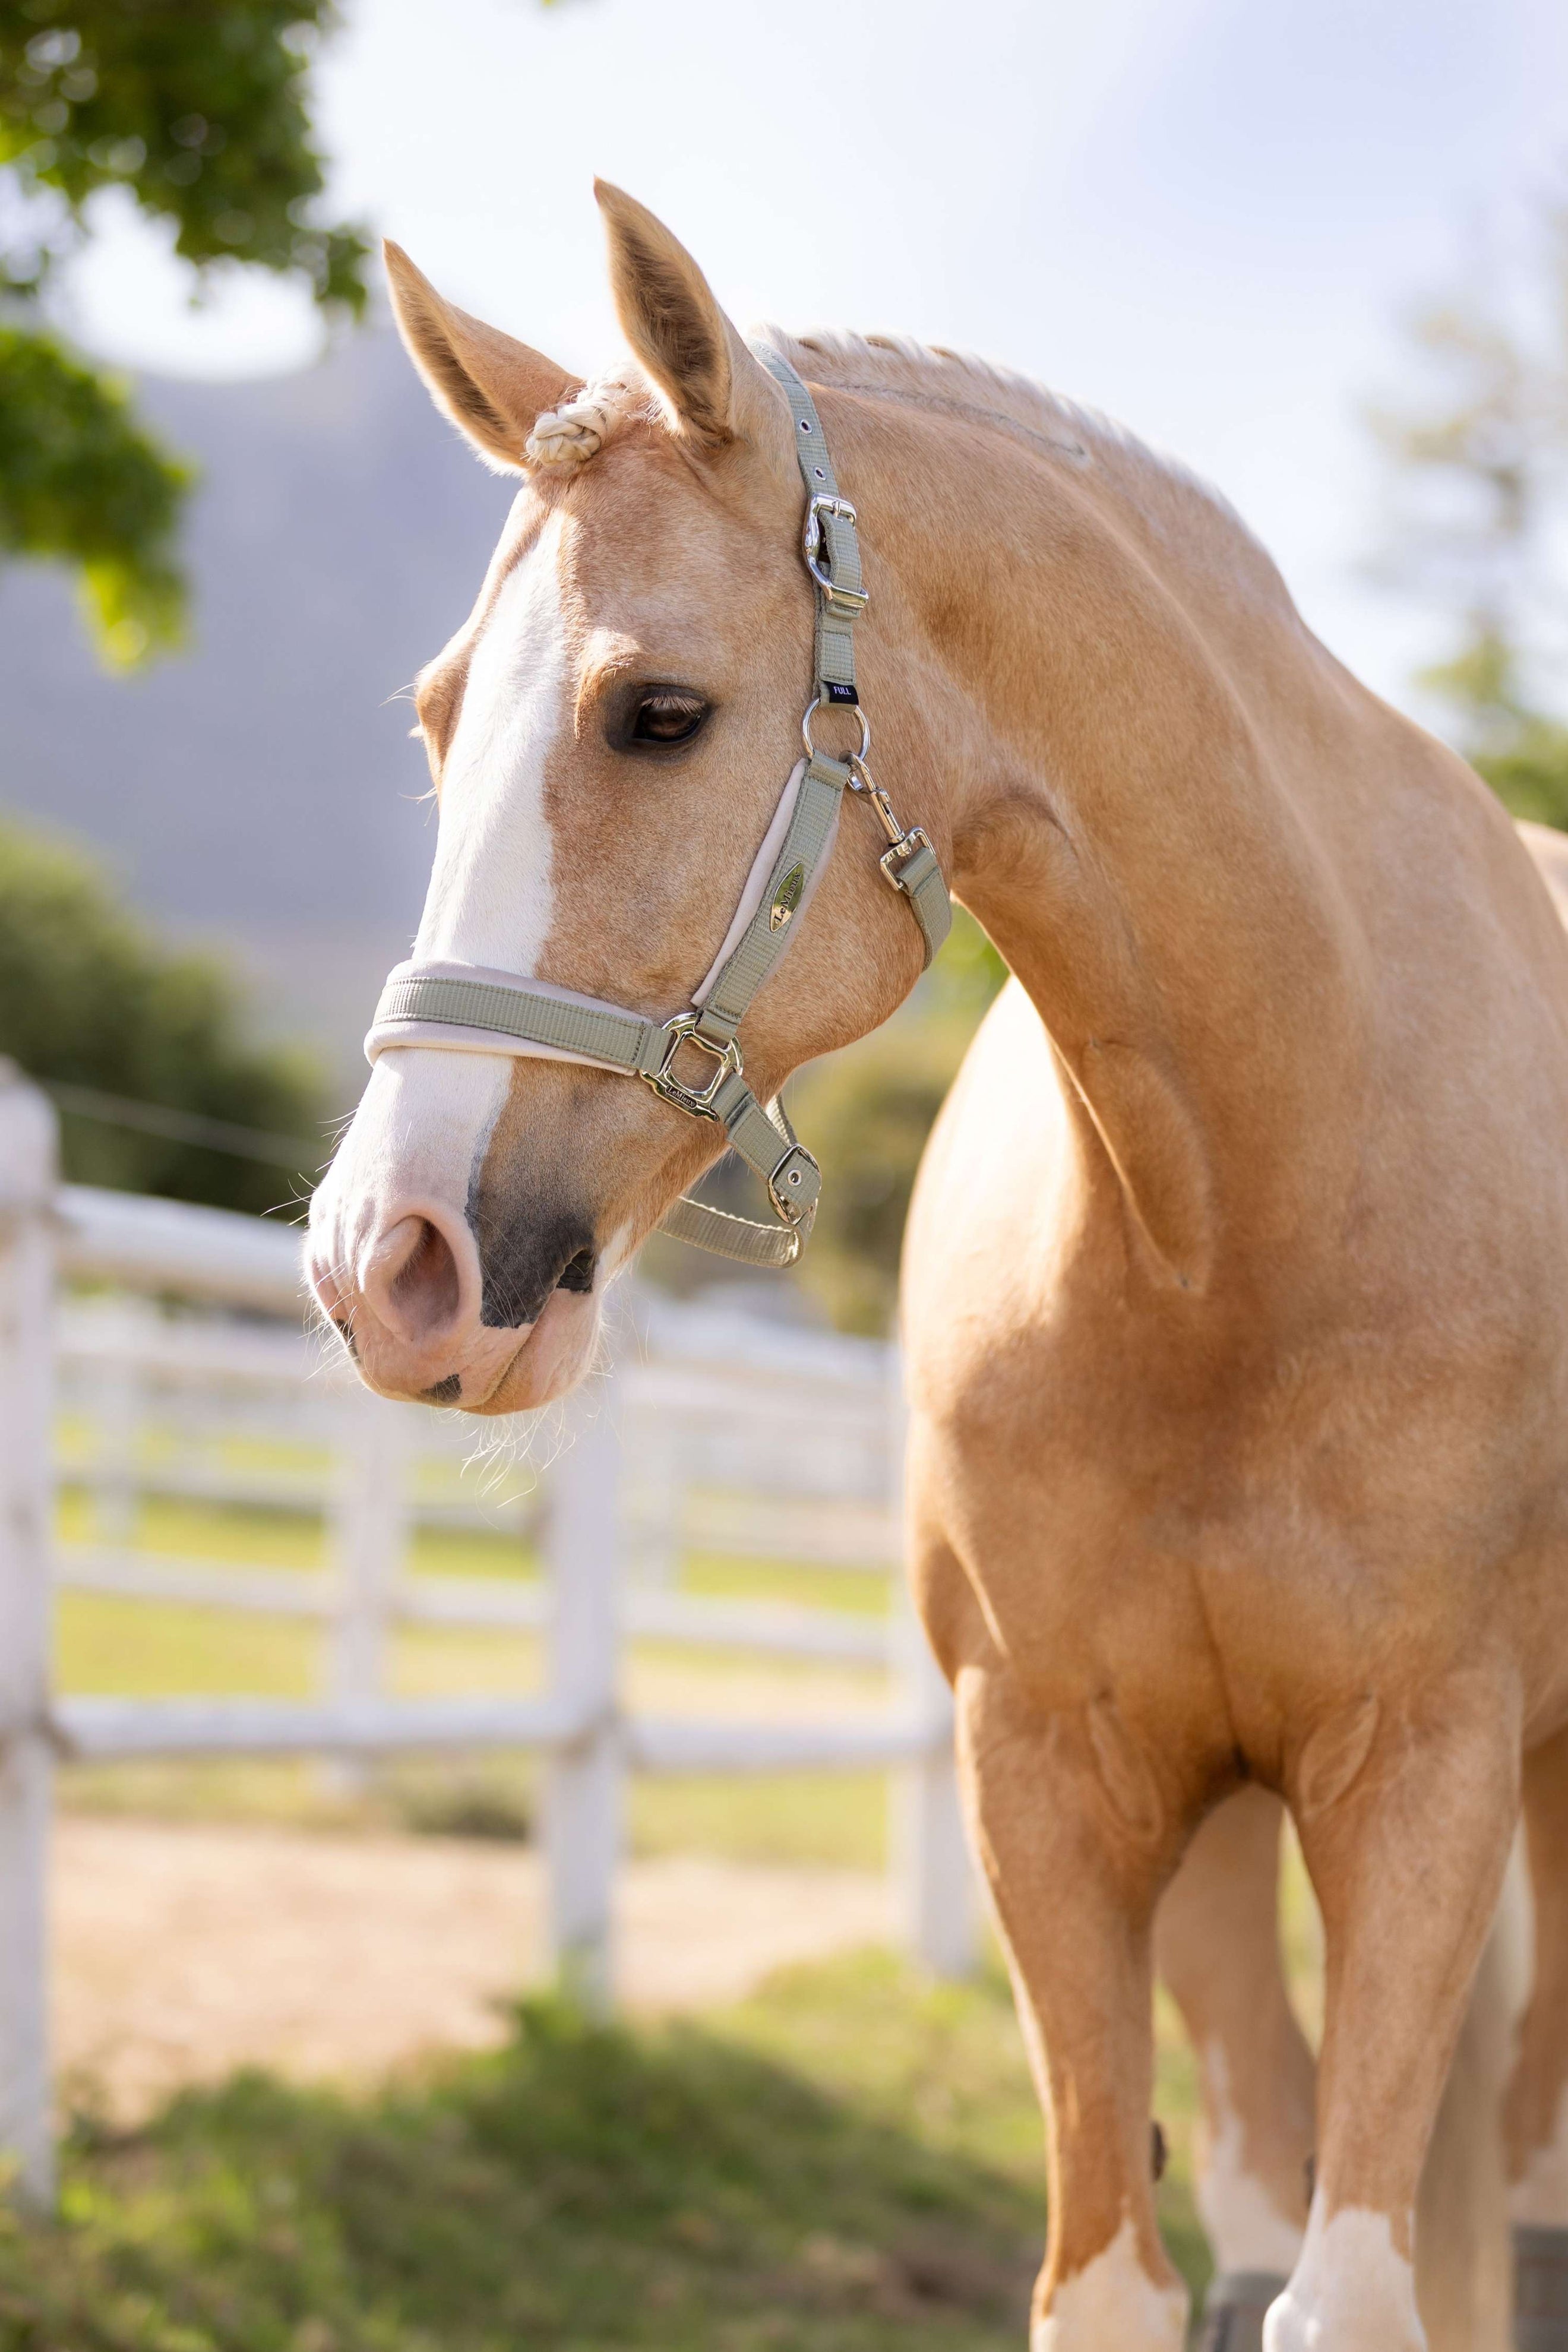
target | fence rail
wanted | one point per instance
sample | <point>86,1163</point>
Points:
<point>715,1433</point>
<point>772,1629</point>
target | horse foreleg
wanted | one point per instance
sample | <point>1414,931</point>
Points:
<point>1218,1944</point>
<point>1075,1898</point>
<point>1535,2114</point>
<point>1406,1823</point>
<point>1463,2283</point>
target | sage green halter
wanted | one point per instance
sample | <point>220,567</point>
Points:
<point>423,1005</point>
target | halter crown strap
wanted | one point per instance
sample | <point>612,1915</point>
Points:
<point>465,1009</point>
<point>832,549</point>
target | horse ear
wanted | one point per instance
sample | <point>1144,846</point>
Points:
<point>715,390</point>
<point>491,387</point>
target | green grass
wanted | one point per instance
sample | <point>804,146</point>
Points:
<point>252,1536</point>
<point>848,2163</point>
<point>152,1649</point>
<point>147,1649</point>
<point>838,1818</point>
<point>859,1592</point>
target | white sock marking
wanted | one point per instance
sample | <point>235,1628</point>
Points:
<point>1246,2228</point>
<point>1351,2292</point>
<point>1113,2305</point>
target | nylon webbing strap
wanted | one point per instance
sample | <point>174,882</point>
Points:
<point>793,1177</point>
<point>623,1040</point>
<point>833,558</point>
<point>830,525</point>
<point>740,1238</point>
<point>920,878</point>
<point>767,936</point>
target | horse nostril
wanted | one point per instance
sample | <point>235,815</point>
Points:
<point>411,1283</point>
<point>426,1287</point>
<point>578,1272</point>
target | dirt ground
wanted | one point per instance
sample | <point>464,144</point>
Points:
<point>182,1951</point>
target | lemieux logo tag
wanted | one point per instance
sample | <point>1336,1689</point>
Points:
<point>786,898</point>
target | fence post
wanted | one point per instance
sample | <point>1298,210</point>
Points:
<point>120,1405</point>
<point>583,1780</point>
<point>371,1510</point>
<point>652,1503</point>
<point>933,1879</point>
<point>27,1178</point>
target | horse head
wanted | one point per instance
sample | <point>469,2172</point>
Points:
<point>612,735</point>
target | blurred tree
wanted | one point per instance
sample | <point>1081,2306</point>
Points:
<point>1478,526</point>
<point>196,112</point>
<point>91,1006</point>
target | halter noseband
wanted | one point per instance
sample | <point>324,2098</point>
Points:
<point>464,1008</point>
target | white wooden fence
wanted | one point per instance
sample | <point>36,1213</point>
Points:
<point>710,1430</point>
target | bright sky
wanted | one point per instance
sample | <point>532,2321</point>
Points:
<point>1204,216</point>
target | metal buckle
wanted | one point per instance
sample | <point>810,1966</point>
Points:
<point>683,1031</point>
<point>853,600</point>
<point>902,846</point>
<point>904,849</point>
<point>787,1178</point>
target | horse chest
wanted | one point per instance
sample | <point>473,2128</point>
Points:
<point>1267,1529</point>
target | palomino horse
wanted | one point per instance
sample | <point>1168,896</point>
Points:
<point>1240,1369</point>
<point>1218,1949</point>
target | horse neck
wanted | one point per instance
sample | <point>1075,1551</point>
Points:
<point>1103,687</point>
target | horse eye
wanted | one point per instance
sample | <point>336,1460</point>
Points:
<point>666,715</point>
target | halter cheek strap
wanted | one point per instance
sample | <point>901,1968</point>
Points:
<point>463,1008</point>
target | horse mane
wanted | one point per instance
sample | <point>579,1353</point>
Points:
<point>933,377</point>
<point>1162,490</point>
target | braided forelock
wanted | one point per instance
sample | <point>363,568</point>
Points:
<point>566,438</point>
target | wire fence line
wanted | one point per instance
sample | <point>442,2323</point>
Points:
<point>712,1431</point>
<point>177,1126</point>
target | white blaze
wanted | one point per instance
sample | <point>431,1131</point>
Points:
<point>421,1129</point>
<point>426,1116</point>
<point>490,896</point>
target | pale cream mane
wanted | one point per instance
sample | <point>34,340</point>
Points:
<point>1167,493</point>
<point>933,378</point>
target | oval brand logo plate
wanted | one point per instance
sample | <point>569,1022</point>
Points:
<point>786,898</point>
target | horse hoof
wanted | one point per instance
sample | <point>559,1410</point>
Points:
<point>1234,2309</point>
<point>1540,2288</point>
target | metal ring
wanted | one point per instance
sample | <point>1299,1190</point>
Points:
<point>813,706</point>
<point>682,1030</point>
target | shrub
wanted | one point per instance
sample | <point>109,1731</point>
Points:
<point>90,1001</point>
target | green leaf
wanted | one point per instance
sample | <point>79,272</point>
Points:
<point>83,482</point>
<point>198,111</point>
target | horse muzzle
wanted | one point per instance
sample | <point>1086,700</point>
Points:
<point>499,1320</point>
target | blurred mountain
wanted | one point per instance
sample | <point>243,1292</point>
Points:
<point>260,793</point>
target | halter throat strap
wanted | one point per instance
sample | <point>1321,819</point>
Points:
<point>463,1009</point>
